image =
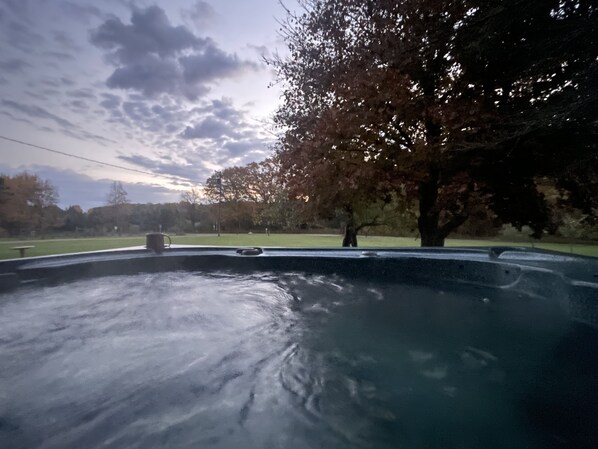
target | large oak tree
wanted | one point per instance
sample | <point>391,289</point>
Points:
<point>450,104</point>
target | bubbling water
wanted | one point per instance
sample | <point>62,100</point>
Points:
<point>290,360</point>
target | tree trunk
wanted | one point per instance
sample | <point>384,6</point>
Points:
<point>350,238</point>
<point>429,215</point>
<point>432,232</point>
<point>431,237</point>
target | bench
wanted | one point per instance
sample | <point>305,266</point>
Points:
<point>22,249</point>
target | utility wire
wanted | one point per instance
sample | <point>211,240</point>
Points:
<point>107,164</point>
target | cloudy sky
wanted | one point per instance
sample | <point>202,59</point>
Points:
<point>177,88</point>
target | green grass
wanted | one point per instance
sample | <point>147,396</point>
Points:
<point>61,246</point>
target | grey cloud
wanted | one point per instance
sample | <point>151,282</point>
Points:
<point>154,117</point>
<point>27,121</point>
<point>150,32</point>
<point>169,114</point>
<point>53,64</point>
<point>136,110</point>
<point>162,112</point>
<point>86,136</point>
<point>152,76</point>
<point>79,104</point>
<point>61,38</point>
<point>136,97</point>
<point>153,57</point>
<point>49,82</point>
<point>261,50</point>
<point>37,112</point>
<point>35,95</point>
<point>201,13</point>
<point>81,93</point>
<point>212,63</point>
<point>53,82</point>
<point>223,109</point>
<point>13,65</point>
<point>67,81</point>
<point>22,37</point>
<point>96,137</point>
<point>171,129</point>
<point>66,127</point>
<point>81,12</point>
<point>165,167</point>
<point>110,101</point>
<point>209,128</point>
<point>51,92</point>
<point>19,8</point>
<point>60,55</point>
<point>17,119</point>
<point>236,149</point>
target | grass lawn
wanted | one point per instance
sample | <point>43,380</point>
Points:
<point>61,246</point>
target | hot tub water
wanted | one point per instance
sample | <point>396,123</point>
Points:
<point>290,360</point>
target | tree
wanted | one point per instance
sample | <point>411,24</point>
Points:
<point>192,200</point>
<point>75,219</point>
<point>28,203</point>
<point>449,105</point>
<point>117,195</point>
<point>255,194</point>
<point>118,201</point>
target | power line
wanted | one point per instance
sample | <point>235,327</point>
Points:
<point>107,164</point>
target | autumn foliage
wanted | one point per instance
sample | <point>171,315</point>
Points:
<point>448,105</point>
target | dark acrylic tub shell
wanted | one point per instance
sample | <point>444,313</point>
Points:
<point>572,280</point>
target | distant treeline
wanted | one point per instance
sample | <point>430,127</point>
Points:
<point>240,200</point>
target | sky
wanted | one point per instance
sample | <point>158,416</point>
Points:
<point>176,88</point>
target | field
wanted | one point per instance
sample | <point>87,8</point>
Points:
<point>73,245</point>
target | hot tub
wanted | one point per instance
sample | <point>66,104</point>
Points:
<point>260,348</point>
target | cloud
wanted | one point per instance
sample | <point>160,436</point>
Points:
<point>19,8</point>
<point>13,65</point>
<point>153,57</point>
<point>51,92</point>
<point>35,95</point>
<point>200,14</point>
<point>66,81</point>
<point>77,188</point>
<point>17,119</point>
<point>223,109</point>
<point>82,93</point>
<point>209,128</point>
<point>60,55</point>
<point>78,104</point>
<point>236,149</point>
<point>65,126</point>
<point>137,110</point>
<point>81,12</point>
<point>65,41</point>
<point>37,112</point>
<point>153,76</point>
<point>212,63</point>
<point>261,50</point>
<point>187,172</point>
<point>110,101</point>
<point>20,36</point>
<point>149,32</point>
